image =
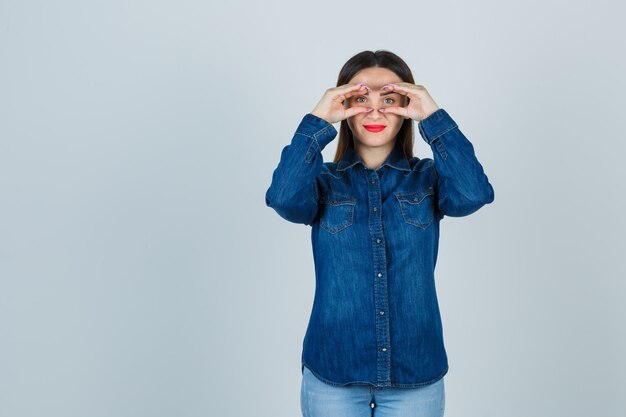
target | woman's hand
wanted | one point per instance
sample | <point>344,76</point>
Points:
<point>331,108</point>
<point>421,104</point>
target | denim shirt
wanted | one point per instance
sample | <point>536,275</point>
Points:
<point>375,318</point>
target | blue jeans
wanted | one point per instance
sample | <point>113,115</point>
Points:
<point>319,399</point>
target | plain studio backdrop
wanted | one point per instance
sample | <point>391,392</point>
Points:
<point>141,273</point>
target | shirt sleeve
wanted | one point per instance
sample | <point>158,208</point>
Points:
<point>293,192</point>
<point>462,186</point>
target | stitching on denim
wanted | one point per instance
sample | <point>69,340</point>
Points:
<point>441,148</point>
<point>308,157</point>
<point>404,209</point>
<point>454,126</point>
<point>310,153</point>
<point>333,173</point>
<point>403,196</point>
<point>349,166</point>
<point>321,132</point>
<point>403,199</point>
<point>334,383</point>
<point>336,200</point>
<point>421,384</point>
<point>377,327</point>
<point>358,382</point>
<point>345,198</point>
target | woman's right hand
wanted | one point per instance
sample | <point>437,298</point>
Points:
<point>331,107</point>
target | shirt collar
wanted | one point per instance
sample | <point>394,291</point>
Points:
<point>396,159</point>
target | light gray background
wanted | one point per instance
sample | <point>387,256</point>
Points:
<point>141,273</point>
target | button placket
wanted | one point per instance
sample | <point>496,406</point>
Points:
<point>381,288</point>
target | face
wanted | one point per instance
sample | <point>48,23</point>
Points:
<point>375,78</point>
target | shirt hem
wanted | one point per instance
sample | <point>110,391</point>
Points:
<point>367,383</point>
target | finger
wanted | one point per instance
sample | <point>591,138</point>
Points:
<point>353,93</point>
<point>402,89</point>
<point>350,91</point>
<point>356,110</point>
<point>351,86</point>
<point>346,88</point>
<point>400,111</point>
<point>404,85</point>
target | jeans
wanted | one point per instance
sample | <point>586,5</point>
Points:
<point>319,399</point>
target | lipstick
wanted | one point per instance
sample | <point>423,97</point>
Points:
<point>374,128</point>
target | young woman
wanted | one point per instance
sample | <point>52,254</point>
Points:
<point>374,343</point>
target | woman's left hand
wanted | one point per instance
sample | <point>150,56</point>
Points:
<point>421,104</point>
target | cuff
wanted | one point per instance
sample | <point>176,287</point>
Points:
<point>317,128</point>
<point>436,125</point>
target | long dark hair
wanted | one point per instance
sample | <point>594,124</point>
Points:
<point>366,59</point>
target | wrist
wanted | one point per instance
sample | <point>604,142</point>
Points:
<point>429,112</point>
<point>321,116</point>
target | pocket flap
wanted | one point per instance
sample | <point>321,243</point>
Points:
<point>337,199</point>
<point>414,197</point>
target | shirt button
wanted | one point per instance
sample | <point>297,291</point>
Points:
<point>375,208</point>
<point>373,181</point>
<point>382,313</point>
<point>384,349</point>
<point>380,275</point>
<point>372,404</point>
<point>377,240</point>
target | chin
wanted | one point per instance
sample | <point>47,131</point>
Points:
<point>374,142</point>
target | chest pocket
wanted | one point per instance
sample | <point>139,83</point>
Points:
<point>417,207</point>
<point>337,212</point>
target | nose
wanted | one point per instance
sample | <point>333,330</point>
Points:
<point>375,106</point>
<point>374,113</point>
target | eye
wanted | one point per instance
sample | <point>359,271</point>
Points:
<point>358,98</point>
<point>390,102</point>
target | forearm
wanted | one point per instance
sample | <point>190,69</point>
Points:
<point>293,192</point>
<point>462,186</point>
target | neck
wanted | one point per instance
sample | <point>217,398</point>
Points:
<point>373,156</point>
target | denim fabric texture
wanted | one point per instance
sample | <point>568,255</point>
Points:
<point>318,399</point>
<point>375,318</point>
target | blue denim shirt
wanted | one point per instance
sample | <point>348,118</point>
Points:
<point>375,233</point>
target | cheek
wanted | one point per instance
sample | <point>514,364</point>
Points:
<point>397,123</point>
<point>356,119</point>
<point>395,119</point>
<point>353,123</point>
<point>350,121</point>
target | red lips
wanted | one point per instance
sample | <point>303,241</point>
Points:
<point>374,128</point>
